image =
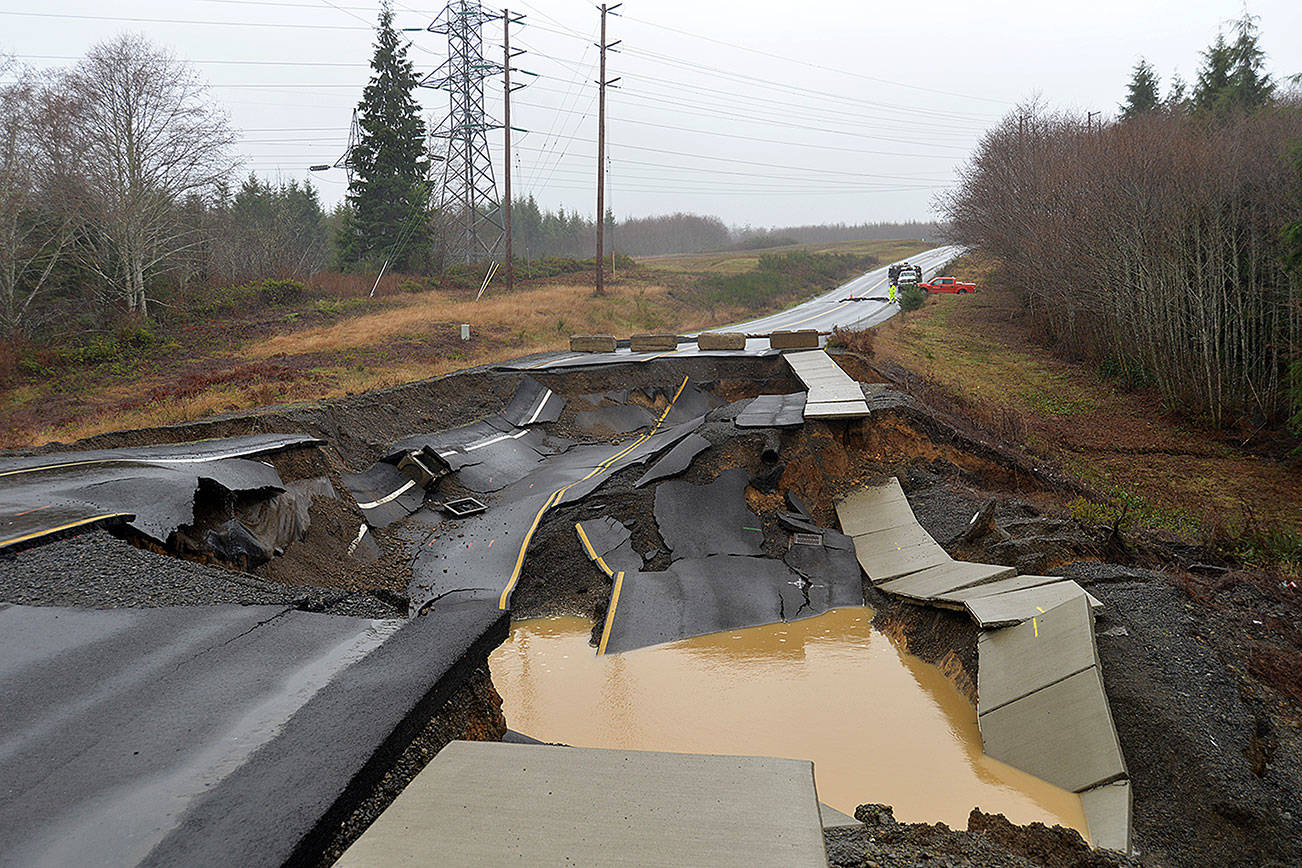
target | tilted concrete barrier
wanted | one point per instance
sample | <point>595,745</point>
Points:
<point>592,343</point>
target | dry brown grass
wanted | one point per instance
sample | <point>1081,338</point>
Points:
<point>539,318</point>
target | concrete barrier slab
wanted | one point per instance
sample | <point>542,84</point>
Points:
<point>1014,607</point>
<point>1108,812</point>
<point>489,803</point>
<point>592,343</point>
<point>1017,583</point>
<point>924,585</point>
<point>721,341</point>
<point>1063,733</point>
<point>886,555</point>
<point>834,819</point>
<point>836,410</point>
<point>1017,661</point>
<point>659,343</point>
<point>872,509</point>
<point>794,340</point>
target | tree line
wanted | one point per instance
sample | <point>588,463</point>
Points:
<point>120,193</point>
<point>1158,245</point>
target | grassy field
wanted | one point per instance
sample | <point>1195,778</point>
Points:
<point>1162,471</point>
<point>738,261</point>
<point>239,347</point>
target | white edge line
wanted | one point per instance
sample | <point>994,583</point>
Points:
<point>361,532</point>
<point>546,396</point>
<point>388,497</point>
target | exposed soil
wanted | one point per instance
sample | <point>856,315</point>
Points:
<point>989,842</point>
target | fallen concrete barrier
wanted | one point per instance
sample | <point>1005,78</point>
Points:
<point>544,805</point>
<point>1041,704</point>
<point>1014,607</point>
<point>721,341</point>
<point>592,343</point>
<point>1042,708</point>
<point>658,343</point>
<point>832,394</point>
<point>794,340</point>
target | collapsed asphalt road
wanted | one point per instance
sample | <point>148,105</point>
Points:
<point>151,490</point>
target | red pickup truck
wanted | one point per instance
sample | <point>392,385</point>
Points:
<point>947,284</point>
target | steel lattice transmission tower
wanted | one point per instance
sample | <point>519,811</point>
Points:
<point>468,203</point>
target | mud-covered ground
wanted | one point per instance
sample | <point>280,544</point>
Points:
<point>1201,662</point>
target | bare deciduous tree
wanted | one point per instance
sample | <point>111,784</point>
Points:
<point>1151,246</point>
<point>149,138</point>
<point>33,235</point>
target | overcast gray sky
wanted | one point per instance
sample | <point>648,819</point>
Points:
<point>761,113</point>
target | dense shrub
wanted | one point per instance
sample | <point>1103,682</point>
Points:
<point>912,298</point>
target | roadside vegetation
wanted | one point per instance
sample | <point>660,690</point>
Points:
<point>984,356</point>
<point>1162,248</point>
<point>224,348</point>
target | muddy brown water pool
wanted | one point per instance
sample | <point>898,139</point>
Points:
<point>879,725</point>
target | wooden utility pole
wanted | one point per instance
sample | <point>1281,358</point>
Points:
<point>601,150</point>
<point>506,141</point>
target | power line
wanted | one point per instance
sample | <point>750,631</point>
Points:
<point>135,20</point>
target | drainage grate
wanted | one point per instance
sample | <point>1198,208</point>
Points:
<point>464,506</point>
<point>806,539</point>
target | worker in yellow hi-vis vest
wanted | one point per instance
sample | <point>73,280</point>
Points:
<point>891,293</point>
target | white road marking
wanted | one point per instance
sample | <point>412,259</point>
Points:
<point>388,497</point>
<point>361,532</point>
<point>547,394</point>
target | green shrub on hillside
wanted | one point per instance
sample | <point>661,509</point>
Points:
<point>912,298</point>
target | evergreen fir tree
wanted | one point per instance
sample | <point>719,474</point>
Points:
<point>1214,78</point>
<point>1141,96</point>
<point>1251,84</point>
<point>388,197</point>
<point>1233,74</point>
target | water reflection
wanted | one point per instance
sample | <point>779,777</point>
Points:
<point>880,726</point>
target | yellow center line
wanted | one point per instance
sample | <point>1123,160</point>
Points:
<point>559,493</point>
<point>592,553</point>
<point>519,560</point>
<point>610,615</point>
<point>49,530</point>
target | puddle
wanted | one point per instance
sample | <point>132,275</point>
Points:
<point>880,726</point>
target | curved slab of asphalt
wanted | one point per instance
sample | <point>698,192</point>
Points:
<point>158,493</point>
<point>718,579</point>
<point>213,735</point>
<point>480,557</point>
